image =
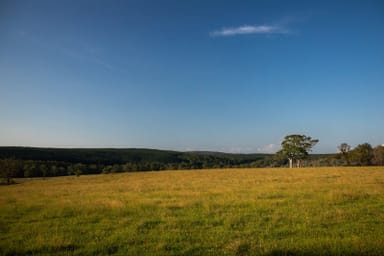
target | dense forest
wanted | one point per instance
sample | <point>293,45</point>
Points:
<point>47,162</point>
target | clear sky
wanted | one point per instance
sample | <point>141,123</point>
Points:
<point>232,76</point>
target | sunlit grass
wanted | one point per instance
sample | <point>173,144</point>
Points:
<point>337,211</point>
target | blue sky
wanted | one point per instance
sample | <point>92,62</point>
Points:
<point>232,76</point>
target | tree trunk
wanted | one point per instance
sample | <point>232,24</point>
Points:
<point>290,162</point>
<point>298,163</point>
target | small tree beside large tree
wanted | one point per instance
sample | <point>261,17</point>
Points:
<point>344,149</point>
<point>295,147</point>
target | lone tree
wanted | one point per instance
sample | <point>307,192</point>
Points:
<point>344,149</point>
<point>296,147</point>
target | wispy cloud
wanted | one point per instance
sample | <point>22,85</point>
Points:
<point>250,29</point>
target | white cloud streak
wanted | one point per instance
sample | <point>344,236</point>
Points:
<point>250,29</point>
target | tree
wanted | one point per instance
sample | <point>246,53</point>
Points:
<point>8,169</point>
<point>296,147</point>
<point>116,168</point>
<point>362,154</point>
<point>344,149</point>
<point>43,170</point>
<point>30,169</point>
<point>378,155</point>
<point>280,159</point>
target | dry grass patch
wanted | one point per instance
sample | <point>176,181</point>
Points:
<point>335,211</point>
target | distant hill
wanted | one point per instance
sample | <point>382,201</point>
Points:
<point>121,156</point>
<point>49,162</point>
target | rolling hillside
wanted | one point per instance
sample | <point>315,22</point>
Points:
<point>120,156</point>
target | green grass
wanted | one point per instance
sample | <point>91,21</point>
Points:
<point>308,211</point>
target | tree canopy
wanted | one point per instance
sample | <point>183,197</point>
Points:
<point>344,149</point>
<point>362,154</point>
<point>296,147</point>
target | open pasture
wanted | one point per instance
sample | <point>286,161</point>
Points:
<point>306,211</point>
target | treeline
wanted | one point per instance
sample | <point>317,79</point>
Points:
<point>18,162</point>
<point>48,162</point>
<point>36,168</point>
<point>91,155</point>
<point>362,155</point>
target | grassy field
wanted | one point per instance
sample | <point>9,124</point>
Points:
<point>308,211</point>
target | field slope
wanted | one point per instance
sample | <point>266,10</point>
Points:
<point>313,211</point>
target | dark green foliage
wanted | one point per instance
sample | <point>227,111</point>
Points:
<point>9,169</point>
<point>90,156</point>
<point>41,162</point>
<point>47,162</point>
<point>296,147</point>
<point>362,154</point>
<point>344,149</point>
<point>378,155</point>
<point>123,156</point>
